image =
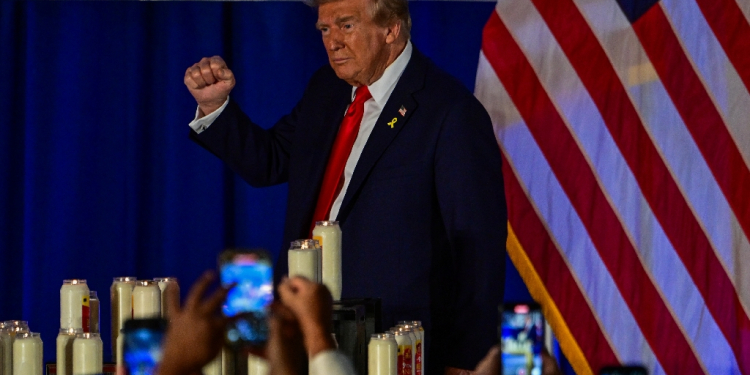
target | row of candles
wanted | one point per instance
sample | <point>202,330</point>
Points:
<point>319,258</point>
<point>20,349</point>
<point>399,351</point>
<point>79,346</point>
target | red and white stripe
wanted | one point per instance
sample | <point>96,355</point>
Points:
<point>628,147</point>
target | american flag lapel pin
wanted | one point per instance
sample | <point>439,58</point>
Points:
<point>402,111</point>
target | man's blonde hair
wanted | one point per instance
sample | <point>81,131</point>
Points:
<point>384,13</point>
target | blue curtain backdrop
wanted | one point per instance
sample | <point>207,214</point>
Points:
<point>97,176</point>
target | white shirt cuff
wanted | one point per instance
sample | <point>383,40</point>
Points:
<point>201,124</point>
<point>331,362</point>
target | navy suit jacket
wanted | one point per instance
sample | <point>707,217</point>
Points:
<point>424,217</point>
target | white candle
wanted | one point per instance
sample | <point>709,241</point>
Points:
<point>409,330</point>
<point>121,302</point>
<point>422,356</point>
<point>304,260</point>
<point>413,337</point>
<point>93,312</point>
<point>382,355</point>
<point>163,283</point>
<point>65,350</point>
<point>416,346</point>
<point>146,300</point>
<point>74,297</point>
<point>328,233</point>
<point>87,354</point>
<point>213,367</point>
<point>6,345</point>
<point>419,331</point>
<point>404,351</point>
<point>118,355</point>
<point>27,354</point>
<point>256,365</point>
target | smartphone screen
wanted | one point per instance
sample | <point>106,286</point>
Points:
<point>142,345</point>
<point>247,303</point>
<point>522,335</point>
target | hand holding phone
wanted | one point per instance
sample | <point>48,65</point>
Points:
<point>142,345</point>
<point>522,339</point>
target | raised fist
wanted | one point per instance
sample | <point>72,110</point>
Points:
<point>209,81</point>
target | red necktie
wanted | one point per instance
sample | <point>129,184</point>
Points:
<point>342,147</point>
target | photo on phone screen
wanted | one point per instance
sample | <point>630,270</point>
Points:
<point>247,302</point>
<point>522,337</point>
<point>142,345</point>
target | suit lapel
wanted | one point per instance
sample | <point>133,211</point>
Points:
<point>388,125</point>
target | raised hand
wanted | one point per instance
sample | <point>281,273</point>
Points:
<point>196,331</point>
<point>312,304</point>
<point>209,81</point>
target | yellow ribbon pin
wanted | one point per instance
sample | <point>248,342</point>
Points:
<point>392,122</point>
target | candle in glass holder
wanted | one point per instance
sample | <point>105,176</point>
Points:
<point>304,259</point>
<point>74,304</point>
<point>328,234</point>
<point>65,350</point>
<point>6,348</point>
<point>163,283</point>
<point>87,354</point>
<point>121,302</point>
<point>27,354</point>
<point>146,300</point>
<point>403,340</point>
<point>382,355</point>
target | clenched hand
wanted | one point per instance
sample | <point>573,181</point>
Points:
<point>209,81</point>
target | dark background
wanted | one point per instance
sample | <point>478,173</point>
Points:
<point>97,176</point>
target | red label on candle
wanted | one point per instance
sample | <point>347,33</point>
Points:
<point>85,313</point>
<point>407,361</point>
<point>400,363</point>
<point>418,359</point>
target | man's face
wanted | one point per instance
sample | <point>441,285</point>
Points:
<point>356,46</point>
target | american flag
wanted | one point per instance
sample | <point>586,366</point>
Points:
<point>625,128</point>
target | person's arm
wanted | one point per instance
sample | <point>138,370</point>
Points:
<point>469,186</point>
<point>196,331</point>
<point>260,156</point>
<point>312,304</point>
<point>285,350</point>
<point>202,122</point>
<point>309,325</point>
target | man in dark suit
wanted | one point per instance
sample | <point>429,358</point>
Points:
<point>402,155</point>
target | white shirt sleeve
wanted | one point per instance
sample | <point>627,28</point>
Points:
<point>201,124</point>
<point>331,362</point>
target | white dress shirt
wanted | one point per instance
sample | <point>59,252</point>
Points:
<point>381,90</point>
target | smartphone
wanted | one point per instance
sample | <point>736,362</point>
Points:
<point>522,339</point>
<point>142,345</point>
<point>251,273</point>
